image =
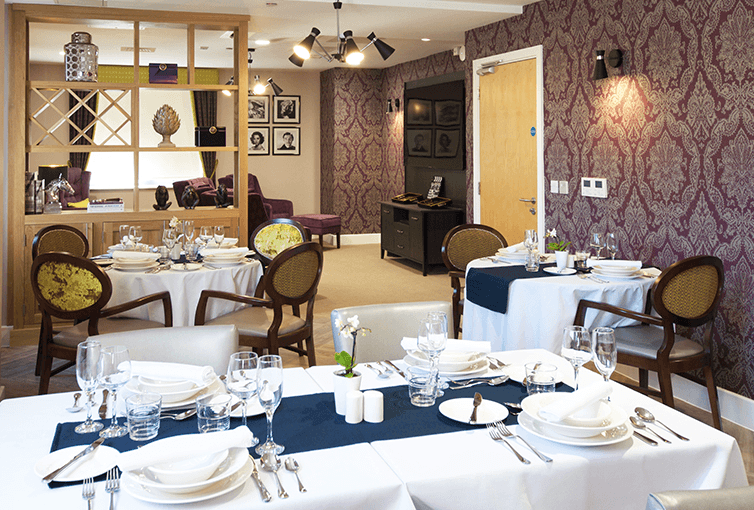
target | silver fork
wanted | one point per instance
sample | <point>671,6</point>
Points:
<point>112,484</point>
<point>497,436</point>
<point>87,492</point>
<point>507,433</point>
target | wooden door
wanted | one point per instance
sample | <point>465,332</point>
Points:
<point>508,148</point>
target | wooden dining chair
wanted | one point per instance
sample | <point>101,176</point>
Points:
<point>275,235</point>
<point>60,238</point>
<point>291,280</point>
<point>685,294</point>
<point>75,288</point>
<point>461,245</point>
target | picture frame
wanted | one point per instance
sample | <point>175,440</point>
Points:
<point>419,143</point>
<point>448,113</point>
<point>418,112</point>
<point>259,109</point>
<point>259,141</point>
<point>286,110</point>
<point>283,146</point>
<point>446,143</point>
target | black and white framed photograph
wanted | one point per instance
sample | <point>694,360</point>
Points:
<point>286,110</point>
<point>448,113</point>
<point>259,109</point>
<point>446,142</point>
<point>259,141</point>
<point>287,141</point>
<point>419,112</point>
<point>419,142</point>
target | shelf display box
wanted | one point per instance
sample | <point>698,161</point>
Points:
<point>163,73</point>
<point>212,136</point>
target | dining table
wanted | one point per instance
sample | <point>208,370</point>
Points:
<point>185,285</point>
<point>540,305</point>
<point>433,463</point>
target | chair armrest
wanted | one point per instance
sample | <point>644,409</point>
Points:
<point>585,304</point>
<point>201,307</point>
<point>456,274</point>
<point>280,206</point>
<point>163,296</point>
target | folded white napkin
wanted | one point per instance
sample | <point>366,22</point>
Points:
<point>410,344</point>
<point>134,255</point>
<point>574,402</point>
<point>224,252</point>
<point>228,241</point>
<point>187,446</point>
<point>172,371</point>
<point>515,247</point>
<point>635,264</point>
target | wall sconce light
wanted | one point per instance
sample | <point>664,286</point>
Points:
<point>226,92</point>
<point>390,105</point>
<point>615,59</point>
<point>259,87</point>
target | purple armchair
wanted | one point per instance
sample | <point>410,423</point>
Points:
<point>274,207</point>
<point>79,180</point>
<point>204,186</point>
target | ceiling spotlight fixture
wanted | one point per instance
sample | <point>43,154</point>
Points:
<point>232,81</point>
<point>259,87</point>
<point>615,59</point>
<point>347,50</point>
<point>262,42</point>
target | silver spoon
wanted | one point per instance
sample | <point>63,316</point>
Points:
<point>380,373</point>
<point>640,425</point>
<point>180,416</point>
<point>76,407</point>
<point>292,465</point>
<point>650,418</point>
<point>272,463</point>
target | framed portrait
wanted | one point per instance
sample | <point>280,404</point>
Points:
<point>259,109</point>
<point>448,113</point>
<point>259,141</point>
<point>419,112</point>
<point>446,142</point>
<point>286,110</point>
<point>286,140</point>
<point>419,142</point>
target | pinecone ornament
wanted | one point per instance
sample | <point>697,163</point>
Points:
<point>166,123</point>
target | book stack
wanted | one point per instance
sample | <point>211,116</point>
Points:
<point>105,205</point>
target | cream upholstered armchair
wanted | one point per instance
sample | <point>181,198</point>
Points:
<point>739,498</point>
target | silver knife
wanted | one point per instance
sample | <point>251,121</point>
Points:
<point>266,496</point>
<point>86,451</point>
<point>396,368</point>
<point>103,407</point>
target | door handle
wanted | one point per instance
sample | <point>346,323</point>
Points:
<point>532,200</point>
<point>533,211</point>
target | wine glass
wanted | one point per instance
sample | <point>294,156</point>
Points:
<point>124,229</point>
<point>87,375</point>
<point>605,351</point>
<point>205,234</point>
<point>169,238</point>
<point>597,241</point>
<point>577,348</point>
<point>115,371</point>
<point>135,235</point>
<point>611,243</point>
<point>442,382</point>
<point>431,340</point>
<point>241,379</point>
<point>270,391</point>
<point>531,239</point>
<point>188,232</point>
<point>219,235</point>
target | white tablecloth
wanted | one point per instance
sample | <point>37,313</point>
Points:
<point>539,309</point>
<point>185,288</point>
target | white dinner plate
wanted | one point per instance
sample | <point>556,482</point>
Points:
<point>96,463</point>
<point>609,276</point>
<point>253,407</point>
<point>611,436</point>
<point>188,266</point>
<point>224,263</point>
<point>175,398</point>
<point>449,361</point>
<point>224,486</point>
<point>135,267</point>
<point>459,409</point>
<point>518,373</point>
<point>624,270</point>
<point>236,460</point>
<point>103,262</point>
<point>533,403</point>
<point>560,272</point>
<point>477,368</point>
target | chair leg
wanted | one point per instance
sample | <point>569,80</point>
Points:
<point>310,351</point>
<point>45,374</point>
<point>666,387</point>
<point>300,345</point>
<point>40,356</point>
<point>643,378</point>
<point>714,404</point>
<point>338,238</point>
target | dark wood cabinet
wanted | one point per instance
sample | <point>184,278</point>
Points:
<point>416,233</point>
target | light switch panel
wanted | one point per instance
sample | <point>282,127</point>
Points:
<point>600,188</point>
<point>587,187</point>
<point>564,187</point>
<point>554,187</point>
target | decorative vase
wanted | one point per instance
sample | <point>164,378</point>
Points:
<point>166,122</point>
<point>175,253</point>
<point>81,58</point>
<point>341,386</point>
<point>561,259</point>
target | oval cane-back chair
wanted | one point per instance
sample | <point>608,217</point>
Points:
<point>685,294</point>
<point>461,245</point>
<point>274,236</point>
<point>60,238</point>
<point>291,280</point>
<point>75,288</point>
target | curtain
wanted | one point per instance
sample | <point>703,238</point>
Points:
<point>81,118</point>
<point>205,114</point>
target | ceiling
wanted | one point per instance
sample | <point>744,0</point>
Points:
<point>400,23</point>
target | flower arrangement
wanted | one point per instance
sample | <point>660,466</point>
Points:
<point>556,244</point>
<point>351,327</point>
<point>176,225</point>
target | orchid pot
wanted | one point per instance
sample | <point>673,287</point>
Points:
<point>341,386</point>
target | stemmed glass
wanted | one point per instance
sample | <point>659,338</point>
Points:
<point>124,230</point>
<point>531,241</point>
<point>270,391</point>
<point>605,351</point>
<point>611,243</point>
<point>241,379</point>
<point>219,235</point>
<point>188,232</point>
<point>577,348</point>
<point>135,235</point>
<point>597,241</point>
<point>205,234</point>
<point>431,340</point>
<point>169,238</point>
<point>87,375</point>
<point>115,371</point>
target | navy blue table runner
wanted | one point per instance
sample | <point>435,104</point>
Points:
<point>488,286</point>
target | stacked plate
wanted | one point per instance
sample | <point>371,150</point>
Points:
<point>609,424</point>
<point>616,271</point>
<point>451,363</point>
<point>206,478</point>
<point>134,261</point>
<point>176,393</point>
<point>224,257</point>
<point>518,255</point>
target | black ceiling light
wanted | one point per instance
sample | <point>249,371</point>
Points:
<point>615,59</point>
<point>259,88</point>
<point>385,49</point>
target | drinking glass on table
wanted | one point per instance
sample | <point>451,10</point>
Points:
<point>611,243</point>
<point>169,238</point>
<point>124,235</point>
<point>605,351</point>
<point>597,241</point>
<point>431,340</point>
<point>205,234</point>
<point>577,348</point>
<point>135,235</point>
<point>442,382</point>
<point>270,392</point>
<point>531,242</point>
<point>115,371</point>
<point>188,232</point>
<point>87,375</point>
<point>219,235</point>
<point>241,379</point>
